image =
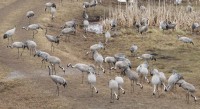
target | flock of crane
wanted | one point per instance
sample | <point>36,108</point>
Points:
<point>118,61</point>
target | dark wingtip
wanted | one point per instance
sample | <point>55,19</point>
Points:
<point>192,43</point>
<point>68,65</point>
<point>4,36</point>
<point>65,84</point>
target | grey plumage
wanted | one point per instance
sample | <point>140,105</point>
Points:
<point>52,39</point>
<point>18,45</point>
<point>53,60</point>
<point>83,68</point>
<point>167,25</point>
<point>95,47</point>
<point>48,5</point>
<point>93,3</point>
<point>58,80</point>
<point>43,55</point>
<point>173,79</point>
<point>107,36</point>
<point>133,49</point>
<point>31,45</point>
<point>85,15</point>
<point>98,58</point>
<point>195,27</point>
<point>122,65</point>
<point>92,81</point>
<point>113,85</point>
<point>185,39</point>
<point>147,57</point>
<point>33,27</point>
<point>189,88</point>
<point>111,62</point>
<point>9,34</point>
<point>143,71</point>
<point>143,28</point>
<point>120,82</point>
<point>189,8</point>
<point>66,32</point>
<point>157,79</point>
<point>86,25</point>
<point>29,15</point>
<point>133,77</point>
<point>70,24</point>
<point>119,56</point>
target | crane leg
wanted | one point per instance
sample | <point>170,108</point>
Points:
<point>33,34</point>
<point>58,90</point>
<point>82,77</point>
<point>111,96</point>
<point>18,52</point>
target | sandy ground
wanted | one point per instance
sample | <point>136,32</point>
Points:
<point>24,84</point>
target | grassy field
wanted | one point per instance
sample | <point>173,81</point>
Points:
<point>24,84</point>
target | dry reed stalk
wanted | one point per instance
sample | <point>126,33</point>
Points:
<point>129,14</point>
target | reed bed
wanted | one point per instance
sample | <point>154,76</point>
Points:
<point>156,12</point>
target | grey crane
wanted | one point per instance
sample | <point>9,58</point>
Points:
<point>52,39</point>
<point>98,58</point>
<point>53,12</point>
<point>143,71</point>
<point>85,15</point>
<point>133,77</point>
<point>92,81</point>
<point>58,80</point>
<point>143,28</point>
<point>70,24</point>
<point>120,82</point>
<point>66,32</point>
<point>53,60</point>
<point>9,34</point>
<point>107,36</point>
<point>83,68</point>
<point>157,79</point>
<point>18,45</point>
<point>133,49</point>
<point>195,27</point>
<point>31,45</point>
<point>189,8</point>
<point>185,39</point>
<point>167,25</point>
<point>122,65</point>
<point>29,15</point>
<point>147,57</point>
<point>173,79</point>
<point>42,54</point>
<point>113,85</point>
<point>48,5</point>
<point>111,62</point>
<point>96,47</point>
<point>189,88</point>
<point>33,27</point>
<point>86,24</point>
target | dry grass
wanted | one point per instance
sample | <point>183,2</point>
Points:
<point>128,14</point>
<point>36,90</point>
<point>172,54</point>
